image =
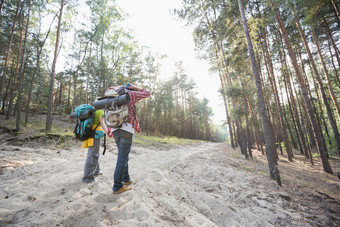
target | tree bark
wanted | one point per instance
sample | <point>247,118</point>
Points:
<point>49,118</point>
<point>316,129</point>
<point>248,141</point>
<point>4,75</point>
<point>21,75</point>
<point>337,77</point>
<point>13,85</point>
<point>88,76</point>
<point>270,151</point>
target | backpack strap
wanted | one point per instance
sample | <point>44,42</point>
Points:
<point>96,127</point>
<point>104,144</point>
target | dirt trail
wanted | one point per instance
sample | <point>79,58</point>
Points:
<point>206,184</point>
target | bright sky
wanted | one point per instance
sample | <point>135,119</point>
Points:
<point>155,27</point>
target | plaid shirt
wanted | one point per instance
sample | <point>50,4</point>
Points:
<point>136,96</point>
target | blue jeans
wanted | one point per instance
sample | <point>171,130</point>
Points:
<point>123,141</point>
<point>92,162</point>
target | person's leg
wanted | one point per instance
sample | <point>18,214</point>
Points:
<point>126,176</point>
<point>97,170</point>
<point>124,141</point>
<point>92,162</point>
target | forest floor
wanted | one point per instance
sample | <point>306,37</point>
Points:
<point>195,184</point>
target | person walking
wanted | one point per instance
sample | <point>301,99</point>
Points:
<point>123,138</point>
<point>92,167</point>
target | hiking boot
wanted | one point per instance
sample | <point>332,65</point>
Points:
<point>127,183</point>
<point>88,180</point>
<point>122,189</point>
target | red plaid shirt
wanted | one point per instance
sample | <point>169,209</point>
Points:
<point>136,96</point>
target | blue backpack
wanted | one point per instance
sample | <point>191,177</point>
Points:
<point>83,129</point>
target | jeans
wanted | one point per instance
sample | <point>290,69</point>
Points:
<point>123,141</point>
<point>92,162</point>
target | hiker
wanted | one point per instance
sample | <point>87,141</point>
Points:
<point>92,168</point>
<point>123,138</point>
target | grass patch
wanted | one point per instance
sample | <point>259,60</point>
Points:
<point>34,130</point>
<point>152,140</point>
<point>248,169</point>
<point>315,155</point>
<point>237,155</point>
<point>62,133</point>
<point>138,141</point>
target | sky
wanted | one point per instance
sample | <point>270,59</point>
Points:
<point>153,25</point>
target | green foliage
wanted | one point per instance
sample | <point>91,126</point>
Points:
<point>234,92</point>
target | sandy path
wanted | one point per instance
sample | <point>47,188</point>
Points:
<point>198,185</point>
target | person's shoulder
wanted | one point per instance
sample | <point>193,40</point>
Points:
<point>99,112</point>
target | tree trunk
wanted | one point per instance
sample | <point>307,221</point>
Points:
<point>272,161</point>
<point>329,83</point>
<point>227,112</point>
<point>39,51</point>
<point>248,141</point>
<point>1,4</point>
<point>256,134</point>
<point>337,77</point>
<point>316,130</point>
<point>294,111</point>
<point>49,117</point>
<point>234,133</point>
<point>21,75</point>
<point>219,50</point>
<point>4,75</point>
<point>273,133</point>
<point>276,97</point>
<point>13,86</point>
<point>332,40</point>
<point>88,76</point>
<point>336,10</point>
<point>320,83</point>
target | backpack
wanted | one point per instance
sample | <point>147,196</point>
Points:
<point>83,129</point>
<point>83,132</point>
<point>115,104</point>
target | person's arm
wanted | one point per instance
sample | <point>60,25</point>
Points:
<point>102,123</point>
<point>106,129</point>
<point>137,93</point>
<point>133,87</point>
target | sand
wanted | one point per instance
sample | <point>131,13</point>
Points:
<point>197,185</point>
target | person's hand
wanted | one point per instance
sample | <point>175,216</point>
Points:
<point>110,132</point>
<point>133,87</point>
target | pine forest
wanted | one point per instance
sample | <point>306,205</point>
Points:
<point>277,63</point>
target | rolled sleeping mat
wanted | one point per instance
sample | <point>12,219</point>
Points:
<point>84,115</point>
<point>102,103</point>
